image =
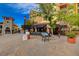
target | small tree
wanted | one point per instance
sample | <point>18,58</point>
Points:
<point>28,23</point>
<point>47,11</point>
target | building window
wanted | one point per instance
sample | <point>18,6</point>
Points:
<point>78,10</point>
<point>8,22</point>
<point>78,4</point>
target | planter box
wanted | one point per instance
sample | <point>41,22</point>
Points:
<point>71,40</point>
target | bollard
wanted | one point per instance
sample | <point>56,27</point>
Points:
<point>28,36</point>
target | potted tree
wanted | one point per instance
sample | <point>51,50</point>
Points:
<point>71,37</point>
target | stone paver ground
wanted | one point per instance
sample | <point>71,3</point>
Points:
<point>13,45</point>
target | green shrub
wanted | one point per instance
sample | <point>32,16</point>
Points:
<point>71,35</point>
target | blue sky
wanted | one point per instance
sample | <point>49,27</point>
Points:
<point>16,10</point>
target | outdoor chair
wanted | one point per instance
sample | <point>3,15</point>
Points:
<point>45,36</point>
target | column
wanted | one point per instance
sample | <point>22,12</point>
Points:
<point>35,29</point>
<point>11,30</point>
<point>3,30</point>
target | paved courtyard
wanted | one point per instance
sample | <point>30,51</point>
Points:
<point>13,45</point>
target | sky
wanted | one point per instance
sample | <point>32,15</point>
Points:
<point>17,11</point>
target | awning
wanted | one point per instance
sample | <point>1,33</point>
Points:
<point>61,23</point>
<point>39,25</point>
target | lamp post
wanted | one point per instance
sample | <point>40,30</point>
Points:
<point>24,23</point>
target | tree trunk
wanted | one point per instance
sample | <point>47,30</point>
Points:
<point>50,21</point>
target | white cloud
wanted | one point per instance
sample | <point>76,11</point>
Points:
<point>23,8</point>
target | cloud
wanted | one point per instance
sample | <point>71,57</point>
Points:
<point>22,8</point>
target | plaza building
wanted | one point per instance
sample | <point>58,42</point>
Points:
<point>39,24</point>
<point>75,10</point>
<point>8,26</point>
<point>61,6</point>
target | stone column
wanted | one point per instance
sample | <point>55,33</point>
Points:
<point>11,30</point>
<point>11,26</point>
<point>3,29</point>
<point>35,29</point>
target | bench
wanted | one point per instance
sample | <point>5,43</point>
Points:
<point>45,36</point>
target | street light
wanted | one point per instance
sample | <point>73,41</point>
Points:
<point>24,23</point>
